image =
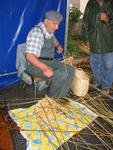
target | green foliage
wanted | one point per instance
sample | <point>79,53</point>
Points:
<point>74,17</point>
<point>72,51</point>
<point>79,36</point>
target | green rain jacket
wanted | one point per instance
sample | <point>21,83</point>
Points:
<point>98,33</point>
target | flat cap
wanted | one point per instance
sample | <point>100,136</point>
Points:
<point>54,16</point>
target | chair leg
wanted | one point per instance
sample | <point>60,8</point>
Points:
<point>35,91</point>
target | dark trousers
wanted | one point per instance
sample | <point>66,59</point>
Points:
<point>61,79</point>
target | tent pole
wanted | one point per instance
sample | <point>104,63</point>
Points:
<point>66,27</point>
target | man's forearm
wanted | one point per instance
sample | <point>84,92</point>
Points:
<point>36,62</point>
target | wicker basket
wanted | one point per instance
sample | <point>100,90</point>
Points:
<point>80,84</point>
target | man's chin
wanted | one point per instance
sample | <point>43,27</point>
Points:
<point>51,32</point>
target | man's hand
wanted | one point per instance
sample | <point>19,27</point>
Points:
<point>59,49</point>
<point>48,72</point>
<point>58,46</point>
<point>104,17</point>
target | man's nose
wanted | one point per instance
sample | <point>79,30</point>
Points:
<point>56,26</point>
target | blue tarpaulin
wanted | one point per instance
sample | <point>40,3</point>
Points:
<point>16,20</point>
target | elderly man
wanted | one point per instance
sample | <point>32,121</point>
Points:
<point>98,27</point>
<point>40,46</point>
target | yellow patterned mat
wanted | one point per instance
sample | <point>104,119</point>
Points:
<point>48,124</point>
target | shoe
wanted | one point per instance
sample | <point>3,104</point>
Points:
<point>42,87</point>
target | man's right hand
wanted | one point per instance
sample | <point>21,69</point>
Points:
<point>48,72</point>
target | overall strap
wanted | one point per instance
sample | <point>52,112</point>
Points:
<point>42,31</point>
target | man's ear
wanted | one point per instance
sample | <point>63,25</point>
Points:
<point>45,21</point>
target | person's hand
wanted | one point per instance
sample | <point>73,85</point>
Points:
<point>59,49</point>
<point>104,17</point>
<point>48,72</point>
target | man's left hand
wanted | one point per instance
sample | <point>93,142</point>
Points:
<point>59,49</point>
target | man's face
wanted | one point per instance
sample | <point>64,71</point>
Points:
<point>51,26</point>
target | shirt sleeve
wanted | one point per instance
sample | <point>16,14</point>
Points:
<point>85,26</point>
<point>110,13</point>
<point>34,42</point>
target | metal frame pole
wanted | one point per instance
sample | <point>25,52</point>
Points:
<point>66,27</point>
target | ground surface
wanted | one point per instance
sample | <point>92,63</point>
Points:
<point>84,140</point>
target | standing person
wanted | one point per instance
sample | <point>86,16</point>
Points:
<point>40,46</point>
<point>98,27</point>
